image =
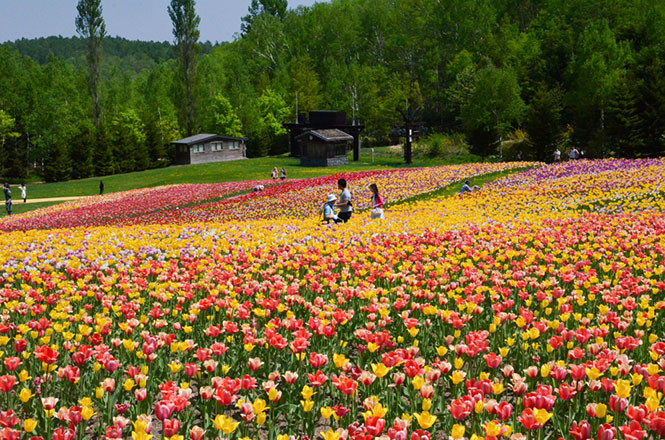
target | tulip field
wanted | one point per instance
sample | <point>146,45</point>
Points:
<point>531,309</point>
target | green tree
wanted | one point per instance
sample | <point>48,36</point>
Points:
<point>273,112</point>
<point>276,8</point>
<point>129,138</point>
<point>493,107</point>
<point>186,34</point>
<point>90,25</point>
<point>652,103</point>
<point>226,121</point>
<point>543,123</point>
<point>7,133</point>
<point>624,125</point>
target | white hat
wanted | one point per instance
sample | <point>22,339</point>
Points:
<point>332,197</point>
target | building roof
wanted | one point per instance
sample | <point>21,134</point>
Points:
<point>329,135</point>
<point>205,137</point>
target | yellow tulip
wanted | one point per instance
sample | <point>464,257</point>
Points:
<point>380,369</point>
<point>330,435</point>
<point>29,425</point>
<point>25,395</point>
<point>622,388</point>
<point>541,415</point>
<point>225,424</point>
<point>425,419</point>
<point>307,405</point>
<point>458,431</point>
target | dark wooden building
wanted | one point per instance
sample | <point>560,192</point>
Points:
<point>204,148</point>
<point>324,148</point>
<point>323,120</point>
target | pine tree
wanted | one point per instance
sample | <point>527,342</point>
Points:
<point>543,123</point>
<point>90,25</point>
<point>186,34</point>
<point>276,8</point>
<point>623,124</point>
<point>652,105</point>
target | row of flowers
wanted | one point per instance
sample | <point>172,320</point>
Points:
<point>201,202</point>
<point>507,312</point>
<point>118,208</point>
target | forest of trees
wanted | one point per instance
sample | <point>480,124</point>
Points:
<point>584,72</point>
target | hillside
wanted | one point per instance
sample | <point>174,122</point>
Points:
<point>73,48</point>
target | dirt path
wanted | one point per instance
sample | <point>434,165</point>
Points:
<point>49,199</point>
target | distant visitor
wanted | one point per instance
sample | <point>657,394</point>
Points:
<point>8,199</point>
<point>467,188</point>
<point>377,202</point>
<point>101,187</point>
<point>329,210</point>
<point>345,206</point>
<point>23,192</point>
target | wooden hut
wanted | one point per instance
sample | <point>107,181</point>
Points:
<point>204,148</point>
<point>324,148</point>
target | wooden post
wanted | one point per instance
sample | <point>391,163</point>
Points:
<point>407,146</point>
<point>356,146</point>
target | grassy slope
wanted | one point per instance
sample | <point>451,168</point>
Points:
<point>252,169</point>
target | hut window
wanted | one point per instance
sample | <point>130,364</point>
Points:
<point>198,148</point>
<point>216,146</point>
<point>234,145</point>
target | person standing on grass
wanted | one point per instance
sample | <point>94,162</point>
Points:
<point>282,174</point>
<point>101,187</point>
<point>377,202</point>
<point>345,206</point>
<point>273,175</point>
<point>23,194</point>
<point>8,199</point>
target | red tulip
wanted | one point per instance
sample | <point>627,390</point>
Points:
<point>12,363</point>
<point>461,408</point>
<point>196,433</point>
<point>493,360</point>
<point>504,410</point>
<point>374,425</point>
<point>7,382</point>
<point>163,410</point>
<point>606,432</point>
<point>529,420</point>
<point>171,427</point>
<point>633,431</point>
<point>46,354</point>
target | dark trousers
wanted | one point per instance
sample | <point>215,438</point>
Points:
<point>345,216</point>
<point>8,206</point>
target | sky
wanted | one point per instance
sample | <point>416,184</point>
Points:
<point>132,19</point>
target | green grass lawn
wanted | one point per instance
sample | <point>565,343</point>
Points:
<point>251,169</point>
<point>18,207</point>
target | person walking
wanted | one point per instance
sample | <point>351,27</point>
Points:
<point>377,202</point>
<point>101,187</point>
<point>557,155</point>
<point>345,205</point>
<point>329,210</point>
<point>573,154</point>
<point>8,199</point>
<point>282,173</point>
<point>23,192</point>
